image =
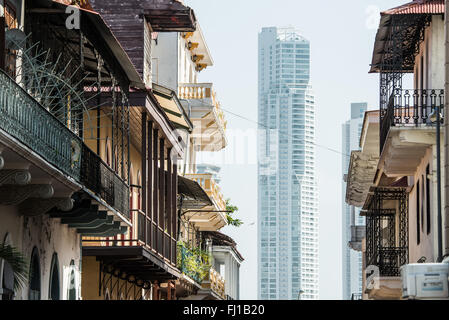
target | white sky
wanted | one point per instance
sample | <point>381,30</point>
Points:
<point>342,36</point>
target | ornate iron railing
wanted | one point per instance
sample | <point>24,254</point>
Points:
<point>389,261</point>
<point>409,108</point>
<point>22,117</point>
<point>387,231</point>
<point>97,176</point>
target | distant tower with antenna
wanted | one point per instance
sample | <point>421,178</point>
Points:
<point>287,189</point>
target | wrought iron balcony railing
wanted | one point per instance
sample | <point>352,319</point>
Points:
<point>387,231</point>
<point>409,108</point>
<point>389,261</point>
<point>26,120</point>
<point>23,118</point>
<point>97,176</point>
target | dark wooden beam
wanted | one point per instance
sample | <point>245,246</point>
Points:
<point>143,154</point>
<point>162,192</point>
<point>2,43</point>
<point>150,180</point>
<point>156,184</point>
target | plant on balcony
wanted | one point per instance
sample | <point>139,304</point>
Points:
<point>18,263</point>
<point>229,215</point>
<point>193,262</point>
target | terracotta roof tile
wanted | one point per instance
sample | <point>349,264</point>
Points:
<point>418,7</point>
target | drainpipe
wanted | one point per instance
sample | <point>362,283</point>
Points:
<point>446,134</point>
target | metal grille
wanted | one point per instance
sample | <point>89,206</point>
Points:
<point>387,231</point>
<point>25,119</point>
<point>103,181</point>
<point>402,46</point>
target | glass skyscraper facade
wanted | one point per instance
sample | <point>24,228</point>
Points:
<point>352,260</point>
<point>287,190</point>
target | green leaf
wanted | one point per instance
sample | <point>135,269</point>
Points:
<point>18,263</point>
<point>231,210</point>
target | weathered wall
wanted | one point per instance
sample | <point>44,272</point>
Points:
<point>428,242</point>
<point>49,236</point>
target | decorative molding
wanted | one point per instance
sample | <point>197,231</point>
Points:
<point>12,195</point>
<point>14,177</point>
<point>36,207</point>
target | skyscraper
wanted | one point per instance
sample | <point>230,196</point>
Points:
<point>288,195</point>
<point>352,260</point>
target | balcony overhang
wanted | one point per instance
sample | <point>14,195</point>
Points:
<point>209,126</point>
<point>196,43</point>
<point>133,262</point>
<point>207,220</point>
<point>204,294</point>
<point>400,32</point>
<point>169,16</point>
<point>37,188</point>
<point>358,233</point>
<point>405,148</point>
<point>363,163</point>
<point>56,166</point>
<point>384,288</point>
<point>186,286</point>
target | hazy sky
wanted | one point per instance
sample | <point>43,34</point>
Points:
<point>342,36</point>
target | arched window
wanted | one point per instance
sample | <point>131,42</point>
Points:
<point>35,277</point>
<point>6,276</point>
<point>71,295</point>
<point>54,291</point>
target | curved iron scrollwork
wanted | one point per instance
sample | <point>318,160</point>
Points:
<point>387,230</point>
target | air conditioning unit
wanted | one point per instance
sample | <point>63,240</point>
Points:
<point>425,281</point>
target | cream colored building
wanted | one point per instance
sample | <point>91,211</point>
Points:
<point>396,185</point>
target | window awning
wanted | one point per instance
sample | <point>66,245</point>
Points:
<point>169,102</point>
<point>195,196</point>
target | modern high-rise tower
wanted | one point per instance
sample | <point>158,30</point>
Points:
<point>352,260</point>
<point>288,195</point>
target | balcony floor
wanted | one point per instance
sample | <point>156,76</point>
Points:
<point>404,149</point>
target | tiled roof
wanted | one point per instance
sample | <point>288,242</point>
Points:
<point>418,7</point>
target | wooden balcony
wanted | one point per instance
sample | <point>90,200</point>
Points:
<point>206,114</point>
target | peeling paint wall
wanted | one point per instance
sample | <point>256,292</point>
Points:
<point>49,236</point>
